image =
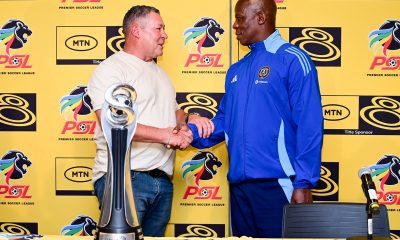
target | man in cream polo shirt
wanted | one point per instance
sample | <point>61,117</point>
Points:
<point>152,152</point>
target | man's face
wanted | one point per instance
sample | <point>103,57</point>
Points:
<point>245,24</point>
<point>153,35</point>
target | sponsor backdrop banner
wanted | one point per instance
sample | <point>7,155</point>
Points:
<point>48,50</point>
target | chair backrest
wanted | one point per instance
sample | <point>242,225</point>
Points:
<point>332,220</point>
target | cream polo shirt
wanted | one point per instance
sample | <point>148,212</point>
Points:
<point>156,101</point>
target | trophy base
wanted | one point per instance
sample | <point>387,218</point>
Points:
<point>118,236</point>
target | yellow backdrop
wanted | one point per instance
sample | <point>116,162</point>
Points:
<point>48,50</point>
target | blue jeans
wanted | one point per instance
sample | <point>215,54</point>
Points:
<point>153,201</point>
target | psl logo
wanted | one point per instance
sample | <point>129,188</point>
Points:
<point>14,35</point>
<point>81,226</point>
<point>77,103</point>
<point>387,171</point>
<point>202,166</point>
<point>204,34</point>
<point>387,40</point>
<point>14,165</point>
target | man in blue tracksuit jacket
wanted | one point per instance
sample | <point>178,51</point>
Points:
<point>271,119</point>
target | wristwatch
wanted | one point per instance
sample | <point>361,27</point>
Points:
<point>188,115</point>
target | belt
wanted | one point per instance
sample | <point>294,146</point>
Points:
<point>156,173</point>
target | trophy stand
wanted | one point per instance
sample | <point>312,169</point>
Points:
<point>118,217</point>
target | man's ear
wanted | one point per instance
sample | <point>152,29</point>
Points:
<point>261,17</point>
<point>135,30</point>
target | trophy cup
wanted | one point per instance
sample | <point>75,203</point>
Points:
<point>118,218</point>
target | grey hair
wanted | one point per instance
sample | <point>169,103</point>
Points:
<point>134,13</point>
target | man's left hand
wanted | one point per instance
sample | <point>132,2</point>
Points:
<point>301,195</point>
<point>204,125</point>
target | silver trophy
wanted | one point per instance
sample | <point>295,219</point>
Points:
<point>118,218</point>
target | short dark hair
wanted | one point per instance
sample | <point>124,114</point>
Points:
<point>134,13</point>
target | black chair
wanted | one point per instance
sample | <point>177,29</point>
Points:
<point>332,220</point>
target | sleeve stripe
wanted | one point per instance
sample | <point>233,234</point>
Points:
<point>302,58</point>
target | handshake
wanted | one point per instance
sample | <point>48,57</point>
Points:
<point>180,137</point>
